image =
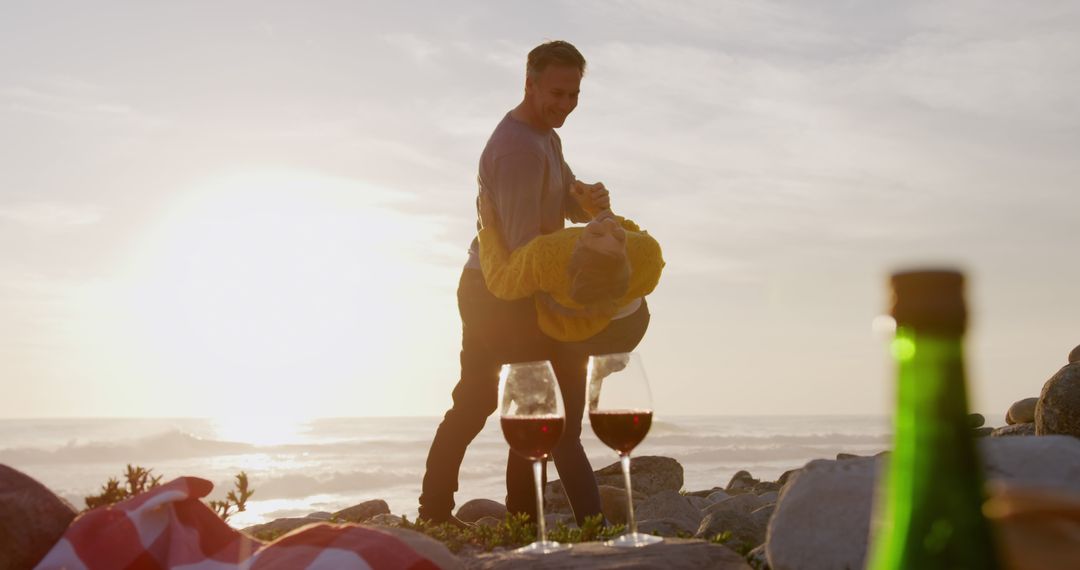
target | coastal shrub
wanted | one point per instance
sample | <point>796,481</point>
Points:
<point>514,531</point>
<point>139,480</point>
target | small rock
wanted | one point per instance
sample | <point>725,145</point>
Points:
<point>982,432</point>
<point>1015,429</point>
<point>664,527</point>
<point>1074,356</point>
<point>1058,410</point>
<point>705,492</point>
<point>386,519</point>
<point>976,420</point>
<point>766,487</point>
<point>1022,411</point>
<point>743,504</point>
<point>741,481</point>
<point>670,505</point>
<point>746,530</point>
<point>717,497</point>
<point>32,519</point>
<point>477,509</point>
<point>649,474</point>
<point>363,511</point>
<point>758,559</point>
<point>770,497</point>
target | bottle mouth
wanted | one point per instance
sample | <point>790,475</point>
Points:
<point>930,299</point>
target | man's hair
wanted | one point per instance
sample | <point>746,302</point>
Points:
<point>597,279</point>
<point>556,52</point>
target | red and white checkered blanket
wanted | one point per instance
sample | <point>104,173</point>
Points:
<point>169,527</point>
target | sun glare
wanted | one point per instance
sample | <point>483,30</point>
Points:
<point>268,289</point>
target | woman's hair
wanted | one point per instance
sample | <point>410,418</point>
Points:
<point>596,278</point>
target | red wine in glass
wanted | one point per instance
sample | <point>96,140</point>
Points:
<point>533,437</point>
<point>621,430</point>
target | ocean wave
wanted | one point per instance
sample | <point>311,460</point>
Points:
<point>166,445</point>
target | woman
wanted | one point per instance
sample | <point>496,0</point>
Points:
<point>589,282</point>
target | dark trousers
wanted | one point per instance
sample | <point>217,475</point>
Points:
<point>495,332</point>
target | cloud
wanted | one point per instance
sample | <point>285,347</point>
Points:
<point>72,101</point>
<point>51,215</point>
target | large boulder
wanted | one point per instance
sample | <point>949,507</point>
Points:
<point>1058,410</point>
<point>822,519</point>
<point>1022,411</point>
<point>672,554</point>
<point>743,504</point>
<point>363,511</point>
<point>1074,356</point>
<point>477,509</point>
<point>32,519</point>
<point>670,505</point>
<point>648,475</point>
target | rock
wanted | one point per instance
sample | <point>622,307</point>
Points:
<point>363,511</point>
<point>672,554</point>
<point>846,456</point>
<point>1058,410</point>
<point>747,531</point>
<point>705,492</point>
<point>386,519</point>
<point>717,496</point>
<point>741,481</point>
<point>477,509</point>
<point>648,475</point>
<point>770,497</point>
<point>613,503</point>
<point>976,421</point>
<point>1074,356</point>
<point>320,516</point>
<point>742,504</point>
<point>1015,429</point>
<point>426,546</point>
<point>766,487</point>
<point>489,522</point>
<point>670,505</point>
<point>982,432</point>
<point>699,503</point>
<point>762,516</point>
<point>32,519</point>
<point>757,558</point>
<point>278,527</point>
<point>787,475</point>
<point>1022,411</point>
<point>822,519</point>
<point>665,527</point>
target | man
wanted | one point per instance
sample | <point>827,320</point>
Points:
<point>523,170</point>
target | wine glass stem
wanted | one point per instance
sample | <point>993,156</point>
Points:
<point>624,459</point>
<point>541,524</point>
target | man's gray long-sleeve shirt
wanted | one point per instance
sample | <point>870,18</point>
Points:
<point>529,181</point>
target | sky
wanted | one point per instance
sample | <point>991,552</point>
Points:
<point>263,208</point>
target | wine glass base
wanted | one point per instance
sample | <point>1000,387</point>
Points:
<point>543,547</point>
<point>634,540</point>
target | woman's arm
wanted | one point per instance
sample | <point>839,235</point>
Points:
<point>530,268</point>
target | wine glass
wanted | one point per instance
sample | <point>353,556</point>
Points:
<point>620,412</point>
<point>532,417</point>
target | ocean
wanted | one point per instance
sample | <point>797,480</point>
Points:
<point>299,466</point>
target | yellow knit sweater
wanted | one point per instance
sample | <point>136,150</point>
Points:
<point>540,265</point>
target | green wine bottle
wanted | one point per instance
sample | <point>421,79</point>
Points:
<point>929,511</point>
